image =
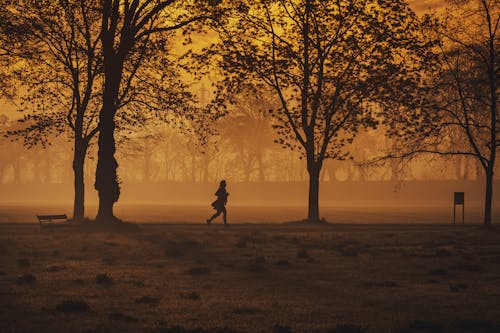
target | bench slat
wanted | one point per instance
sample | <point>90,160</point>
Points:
<point>52,217</point>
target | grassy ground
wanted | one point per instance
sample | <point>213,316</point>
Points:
<point>250,278</point>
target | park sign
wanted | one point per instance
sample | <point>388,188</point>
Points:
<point>458,199</point>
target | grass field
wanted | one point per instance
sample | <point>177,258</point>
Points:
<point>250,278</point>
<point>361,213</point>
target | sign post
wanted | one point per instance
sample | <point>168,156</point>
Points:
<point>458,199</point>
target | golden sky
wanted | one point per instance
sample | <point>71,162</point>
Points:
<point>420,6</point>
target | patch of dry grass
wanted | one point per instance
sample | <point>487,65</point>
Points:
<point>73,306</point>
<point>248,278</point>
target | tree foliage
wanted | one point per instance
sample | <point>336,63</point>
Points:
<point>330,63</point>
<point>336,66</point>
<point>127,29</point>
<point>460,113</point>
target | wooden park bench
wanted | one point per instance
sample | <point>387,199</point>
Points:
<point>51,218</point>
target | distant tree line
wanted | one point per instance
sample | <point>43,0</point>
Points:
<point>161,154</point>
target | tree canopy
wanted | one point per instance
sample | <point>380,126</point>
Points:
<point>336,67</point>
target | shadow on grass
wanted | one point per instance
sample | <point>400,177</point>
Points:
<point>180,248</point>
<point>381,284</point>
<point>248,311</point>
<point>194,296</point>
<point>180,329</point>
<point>459,326</point>
<point>467,267</point>
<point>73,306</point>
<point>148,300</point>
<point>347,328</point>
<point>26,279</point>
<point>199,270</point>
<point>104,280</point>
<point>476,326</point>
<point>119,316</point>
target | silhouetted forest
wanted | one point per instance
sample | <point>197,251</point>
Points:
<point>112,93</point>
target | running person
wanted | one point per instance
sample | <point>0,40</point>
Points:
<point>220,203</point>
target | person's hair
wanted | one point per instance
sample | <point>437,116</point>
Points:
<point>223,182</point>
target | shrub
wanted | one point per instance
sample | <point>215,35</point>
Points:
<point>438,271</point>
<point>192,296</point>
<point>148,300</point>
<point>73,306</point>
<point>281,329</point>
<point>247,311</point>
<point>282,262</point>
<point>381,284</point>
<point>458,287</point>
<point>463,266</point>
<point>475,325</point>
<point>425,326</point>
<point>23,262</point>
<point>303,254</point>
<point>343,328</point>
<point>201,270</point>
<point>26,279</point>
<point>104,280</point>
<point>122,317</point>
<point>55,268</point>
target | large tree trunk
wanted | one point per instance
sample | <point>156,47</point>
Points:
<point>488,197</point>
<point>79,181</point>
<point>313,204</point>
<point>493,140</point>
<point>106,182</point>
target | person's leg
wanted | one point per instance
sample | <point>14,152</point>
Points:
<point>214,216</point>
<point>224,215</point>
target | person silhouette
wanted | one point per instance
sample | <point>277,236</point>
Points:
<point>220,203</point>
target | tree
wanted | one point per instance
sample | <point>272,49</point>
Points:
<point>59,65</point>
<point>128,28</point>
<point>460,115</point>
<point>331,63</point>
<point>11,33</point>
<point>63,74</point>
<point>248,130</point>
